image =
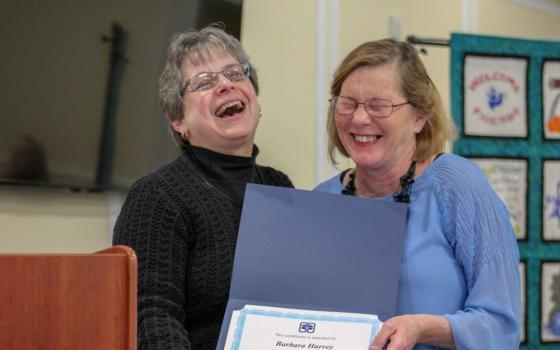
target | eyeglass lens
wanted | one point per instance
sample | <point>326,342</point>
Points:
<point>375,107</point>
<point>207,80</point>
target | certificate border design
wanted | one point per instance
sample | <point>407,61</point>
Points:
<point>238,333</point>
<point>464,94</point>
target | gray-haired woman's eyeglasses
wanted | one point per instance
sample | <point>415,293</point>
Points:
<point>207,80</point>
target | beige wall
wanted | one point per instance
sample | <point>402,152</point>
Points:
<point>295,44</point>
<point>49,221</point>
<point>282,38</point>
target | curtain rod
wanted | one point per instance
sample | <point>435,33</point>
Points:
<point>414,40</point>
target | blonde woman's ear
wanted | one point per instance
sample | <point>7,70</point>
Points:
<point>419,123</point>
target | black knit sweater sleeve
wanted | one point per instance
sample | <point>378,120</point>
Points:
<point>151,224</point>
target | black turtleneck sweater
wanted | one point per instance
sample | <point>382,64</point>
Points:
<point>182,222</point>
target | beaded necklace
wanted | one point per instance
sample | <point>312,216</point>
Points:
<point>402,195</point>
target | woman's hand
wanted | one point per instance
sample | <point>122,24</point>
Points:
<point>404,332</point>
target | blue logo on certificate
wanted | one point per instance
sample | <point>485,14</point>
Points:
<point>307,327</point>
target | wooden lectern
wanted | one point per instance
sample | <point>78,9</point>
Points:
<point>68,301</point>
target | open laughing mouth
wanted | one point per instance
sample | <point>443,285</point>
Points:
<point>229,109</point>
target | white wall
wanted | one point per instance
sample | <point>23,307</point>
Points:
<point>295,44</point>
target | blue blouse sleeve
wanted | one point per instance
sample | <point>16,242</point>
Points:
<point>332,185</point>
<point>477,226</point>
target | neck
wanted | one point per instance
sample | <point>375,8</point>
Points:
<point>226,173</point>
<point>383,183</point>
<point>379,183</point>
<point>245,151</point>
<point>242,149</point>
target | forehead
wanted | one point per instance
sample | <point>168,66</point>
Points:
<point>377,80</point>
<point>208,59</point>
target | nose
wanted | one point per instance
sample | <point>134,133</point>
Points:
<point>224,84</point>
<point>361,116</point>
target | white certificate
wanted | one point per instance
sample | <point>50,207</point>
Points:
<point>271,328</point>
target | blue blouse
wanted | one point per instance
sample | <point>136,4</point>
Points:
<point>460,258</point>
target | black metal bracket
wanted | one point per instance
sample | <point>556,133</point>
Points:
<point>117,61</point>
<point>414,40</point>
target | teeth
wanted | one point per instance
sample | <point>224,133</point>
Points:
<point>366,138</point>
<point>238,104</point>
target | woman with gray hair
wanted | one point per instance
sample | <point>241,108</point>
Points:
<point>182,220</point>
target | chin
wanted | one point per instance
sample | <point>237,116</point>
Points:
<point>240,136</point>
<point>365,161</point>
<point>241,132</point>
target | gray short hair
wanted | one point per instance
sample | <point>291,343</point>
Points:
<point>192,45</point>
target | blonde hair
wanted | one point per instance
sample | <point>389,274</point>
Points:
<point>417,87</point>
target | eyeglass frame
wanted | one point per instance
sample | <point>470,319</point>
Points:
<point>394,107</point>
<point>246,71</point>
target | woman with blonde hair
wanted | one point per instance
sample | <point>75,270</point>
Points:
<point>459,283</point>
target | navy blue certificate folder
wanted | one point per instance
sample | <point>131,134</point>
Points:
<point>316,251</point>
